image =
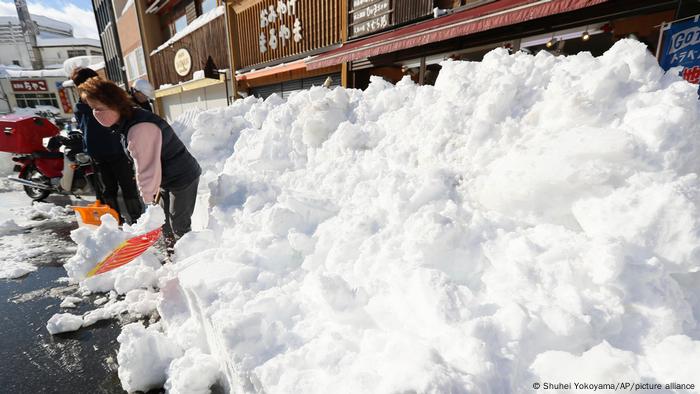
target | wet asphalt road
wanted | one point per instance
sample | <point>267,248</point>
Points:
<point>33,361</point>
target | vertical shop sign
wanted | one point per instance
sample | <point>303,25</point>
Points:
<point>63,97</point>
<point>680,47</point>
<point>274,24</point>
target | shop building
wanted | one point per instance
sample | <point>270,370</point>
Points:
<point>31,90</point>
<point>186,51</point>
<point>132,54</point>
<point>54,41</point>
<point>109,39</point>
<point>393,38</point>
<point>271,38</point>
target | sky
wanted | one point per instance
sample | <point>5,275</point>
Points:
<point>76,12</point>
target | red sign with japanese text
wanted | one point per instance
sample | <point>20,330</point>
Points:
<point>30,85</point>
<point>64,101</point>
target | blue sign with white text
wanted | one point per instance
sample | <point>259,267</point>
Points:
<point>681,48</point>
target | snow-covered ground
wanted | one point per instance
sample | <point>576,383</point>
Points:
<point>22,238</point>
<point>527,219</point>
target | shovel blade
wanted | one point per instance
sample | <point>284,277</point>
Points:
<point>92,213</point>
<point>126,252</point>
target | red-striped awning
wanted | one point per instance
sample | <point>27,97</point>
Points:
<point>490,16</point>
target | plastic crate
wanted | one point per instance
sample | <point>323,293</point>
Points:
<point>24,134</point>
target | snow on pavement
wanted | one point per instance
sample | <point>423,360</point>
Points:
<point>24,242</point>
<point>528,218</point>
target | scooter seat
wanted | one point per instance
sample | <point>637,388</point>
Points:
<point>47,155</point>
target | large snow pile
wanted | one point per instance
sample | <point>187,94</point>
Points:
<point>528,219</point>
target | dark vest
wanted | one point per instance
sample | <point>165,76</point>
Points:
<point>179,168</point>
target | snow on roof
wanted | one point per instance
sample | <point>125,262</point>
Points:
<point>94,62</point>
<point>4,68</point>
<point>67,42</point>
<point>35,73</point>
<point>196,24</point>
<point>42,21</point>
<point>97,66</point>
<point>51,23</point>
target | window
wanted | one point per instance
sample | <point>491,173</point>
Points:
<point>31,100</point>
<point>208,5</point>
<point>119,7</point>
<point>180,24</point>
<point>135,64</point>
<point>95,53</point>
<point>76,52</point>
<point>15,62</point>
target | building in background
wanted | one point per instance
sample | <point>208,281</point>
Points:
<point>393,38</point>
<point>24,89</point>
<point>271,38</point>
<point>55,51</point>
<point>109,38</point>
<point>132,53</point>
<point>186,49</point>
<point>54,40</point>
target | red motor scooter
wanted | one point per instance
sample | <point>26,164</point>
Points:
<point>41,169</point>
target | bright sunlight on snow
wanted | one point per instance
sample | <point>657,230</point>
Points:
<point>527,218</point>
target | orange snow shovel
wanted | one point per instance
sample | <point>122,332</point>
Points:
<point>126,252</point>
<point>92,213</point>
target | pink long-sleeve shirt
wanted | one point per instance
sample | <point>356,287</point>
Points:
<point>144,141</point>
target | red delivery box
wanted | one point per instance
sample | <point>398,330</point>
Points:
<point>24,133</point>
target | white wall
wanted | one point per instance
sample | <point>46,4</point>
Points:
<point>14,51</point>
<point>57,55</point>
<point>203,99</point>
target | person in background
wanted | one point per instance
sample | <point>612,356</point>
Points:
<point>142,94</point>
<point>114,167</point>
<point>163,164</point>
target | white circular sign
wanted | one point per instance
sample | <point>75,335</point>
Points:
<point>182,62</point>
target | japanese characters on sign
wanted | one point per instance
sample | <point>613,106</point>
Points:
<point>681,48</point>
<point>290,28</point>
<point>30,85</point>
<point>369,15</point>
<point>371,11</point>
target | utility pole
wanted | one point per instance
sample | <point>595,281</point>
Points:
<point>29,31</point>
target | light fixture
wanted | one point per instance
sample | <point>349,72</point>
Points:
<point>551,42</point>
<point>585,36</point>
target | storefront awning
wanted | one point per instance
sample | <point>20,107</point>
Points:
<point>489,16</point>
<point>274,70</point>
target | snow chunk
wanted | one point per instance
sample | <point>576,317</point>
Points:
<point>63,322</point>
<point>69,302</point>
<point>193,373</point>
<point>143,358</point>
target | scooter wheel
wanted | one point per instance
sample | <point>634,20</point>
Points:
<point>32,174</point>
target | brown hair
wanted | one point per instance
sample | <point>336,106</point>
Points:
<point>81,75</point>
<point>109,94</point>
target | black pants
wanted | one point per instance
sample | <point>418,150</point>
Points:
<point>178,205</point>
<point>115,172</point>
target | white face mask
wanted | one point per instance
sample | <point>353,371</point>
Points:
<point>106,117</point>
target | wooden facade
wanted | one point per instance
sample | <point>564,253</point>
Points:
<point>410,10</point>
<point>208,40</point>
<point>262,36</point>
